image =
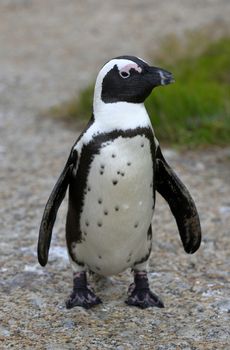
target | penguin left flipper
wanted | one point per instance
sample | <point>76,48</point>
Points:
<point>55,199</point>
<point>180,203</point>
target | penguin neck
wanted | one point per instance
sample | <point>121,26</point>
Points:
<point>121,115</point>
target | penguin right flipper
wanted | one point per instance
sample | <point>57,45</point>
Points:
<point>180,203</point>
<point>55,199</point>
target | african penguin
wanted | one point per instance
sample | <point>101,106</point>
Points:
<point>113,171</point>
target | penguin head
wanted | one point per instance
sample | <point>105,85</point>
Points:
<point>128,79</point>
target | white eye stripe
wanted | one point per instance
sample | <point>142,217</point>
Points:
<point>125,70</point>
<point>124,74</point>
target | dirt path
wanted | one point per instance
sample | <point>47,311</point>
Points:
<point>49,50</point>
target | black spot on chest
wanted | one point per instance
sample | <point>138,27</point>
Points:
<point>78,185</point>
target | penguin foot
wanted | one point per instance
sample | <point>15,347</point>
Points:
<point>139,293</point>
<point>82,294</point>
<point>82,297</point>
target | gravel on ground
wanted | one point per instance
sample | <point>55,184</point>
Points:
<point>50,50</point>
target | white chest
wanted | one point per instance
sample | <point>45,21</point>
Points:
<point>118,205</point>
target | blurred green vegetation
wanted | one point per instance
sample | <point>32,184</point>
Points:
<point>195,111</point>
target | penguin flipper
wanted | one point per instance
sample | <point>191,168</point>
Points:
<point>180,203</point>
<point>50,212</point>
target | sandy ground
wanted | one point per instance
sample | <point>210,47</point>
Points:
<point>48,51</point>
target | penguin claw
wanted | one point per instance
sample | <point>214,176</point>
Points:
<point>143,298</point>
<point>83,297</point>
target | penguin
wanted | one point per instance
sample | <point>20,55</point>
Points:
<point>113,171</point>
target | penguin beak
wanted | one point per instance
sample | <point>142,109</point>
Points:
<point>158,76</point>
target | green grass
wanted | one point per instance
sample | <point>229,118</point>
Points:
<point>195,111</point>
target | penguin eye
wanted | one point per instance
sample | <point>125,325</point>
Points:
<point>124,74</point>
